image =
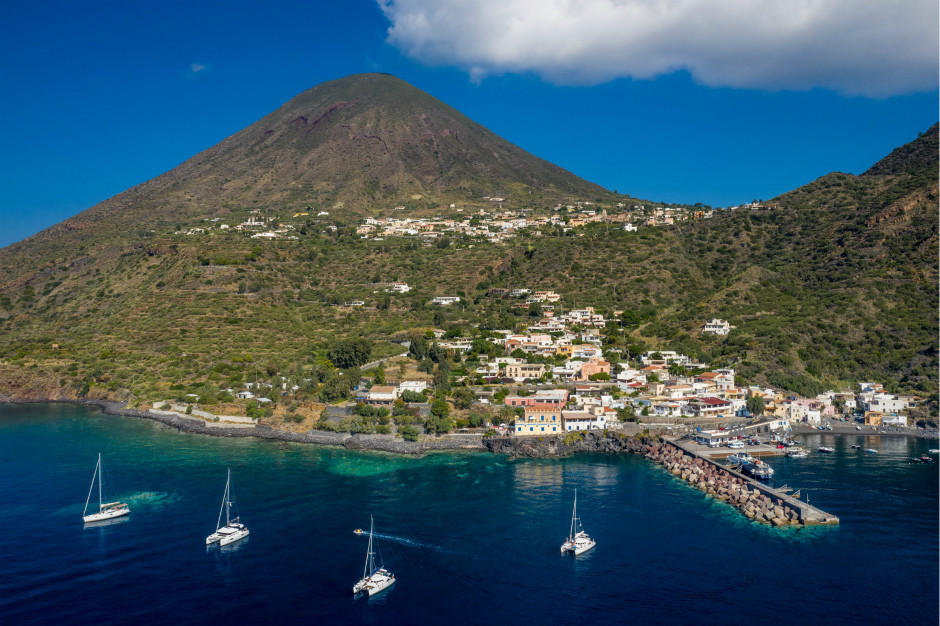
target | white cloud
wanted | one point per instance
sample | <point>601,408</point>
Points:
<point>857,47</point>
<point>197,69</point>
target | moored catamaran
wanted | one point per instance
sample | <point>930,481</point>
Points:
<point>106,510</point>
<point>578,541</point>
<point>233,530</point>
<point>374,579</point>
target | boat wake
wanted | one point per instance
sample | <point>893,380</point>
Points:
<point>411,543</point>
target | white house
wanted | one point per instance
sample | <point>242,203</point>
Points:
<point>416,386</point>
<point>716,326</point>
<point>445,300</point>
<point>398,288</point>
<point>583,420</point>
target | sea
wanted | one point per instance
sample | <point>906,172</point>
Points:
<point>473,538</point>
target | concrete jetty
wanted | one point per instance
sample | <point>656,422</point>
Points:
<point>754,499</point>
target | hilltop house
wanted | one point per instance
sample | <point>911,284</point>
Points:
<point>716,326</point>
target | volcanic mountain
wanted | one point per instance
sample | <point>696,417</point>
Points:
<point>359,144</point>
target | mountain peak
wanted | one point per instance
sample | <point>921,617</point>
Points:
<point>917,156</point>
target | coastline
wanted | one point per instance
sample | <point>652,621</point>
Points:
<point>376,443</point>
<point>390,444</point>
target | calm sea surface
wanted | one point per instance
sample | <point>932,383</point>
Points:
<point>472,538</point>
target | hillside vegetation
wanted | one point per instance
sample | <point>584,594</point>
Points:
<point>835,282</point>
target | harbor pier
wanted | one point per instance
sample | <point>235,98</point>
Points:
<point>754,499</point>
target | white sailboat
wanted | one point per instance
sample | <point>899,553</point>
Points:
<point>106,510</point>
<point>233,530</point>
<point>578,541</point>
<point>374,579</point>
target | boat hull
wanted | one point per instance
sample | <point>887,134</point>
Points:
<point>580,546</point>
<point>226,538</point>
<point>376,583</point>
<point>105,515</point>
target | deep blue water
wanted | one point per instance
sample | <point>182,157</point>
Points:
<point>472,538</point>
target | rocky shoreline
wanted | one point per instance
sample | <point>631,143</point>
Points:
<point>378,443</point>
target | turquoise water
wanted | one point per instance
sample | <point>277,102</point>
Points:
<point>472,538</point>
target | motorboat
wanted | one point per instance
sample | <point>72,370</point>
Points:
<point>374,579</point>
<point>578,541</point>
<point>826,449</point>
<point>106,510</point>
<point>739,458</point>
<point>797,453</point>
<point>758,469</point>
<point>871,451</point>
<point>359,531</point>
<point>233,530</point>
<point>856,447</point>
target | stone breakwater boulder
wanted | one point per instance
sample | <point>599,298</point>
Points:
<point>722,484</point>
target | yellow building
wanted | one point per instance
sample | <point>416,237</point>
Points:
<point>540,419</point>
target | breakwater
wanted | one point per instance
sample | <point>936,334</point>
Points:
<point>755,500</point>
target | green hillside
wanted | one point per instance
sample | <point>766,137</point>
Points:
<point>836,282</point>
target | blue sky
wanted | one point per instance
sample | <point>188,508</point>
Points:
<point>703,102</point>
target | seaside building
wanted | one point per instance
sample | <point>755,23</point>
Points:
<point>539,420</point>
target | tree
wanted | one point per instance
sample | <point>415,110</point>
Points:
<point>418,347</point>
<point>463,398</point>
<point>379,375</point>
<point>347,353</point>
<point>507,414</point>
<point>426,366</point>
<point>437,353</point>
<point>600,376</point>
<point>439,421</point>
<point>755,404</point>
<point>409,433</point>
<point>442,376</point>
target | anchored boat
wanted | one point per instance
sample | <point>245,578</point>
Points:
<point>758,469</point>
<point>374,579</point>
<point>106,510</point>
<point>578,541</point>
<point>233,530</point>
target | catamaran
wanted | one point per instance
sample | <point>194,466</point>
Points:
<point>233,530</point>
<point>578,541</point>
<point>106,510</point>
<point>374,579</point>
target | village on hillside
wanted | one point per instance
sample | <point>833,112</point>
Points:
<point>495,225</point>
<point>555,377</point>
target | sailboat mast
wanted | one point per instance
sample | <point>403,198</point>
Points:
<point>228,496</point>
<point>99,482</point>
<point>91,487</point>
<point>574,514</point>
<point>367,568</point>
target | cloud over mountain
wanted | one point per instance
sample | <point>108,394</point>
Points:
<point>856,47</point>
